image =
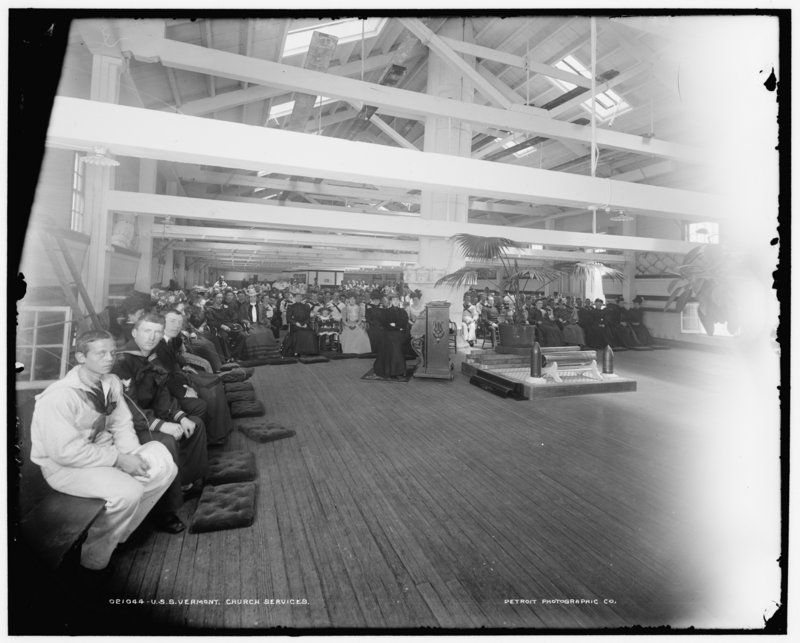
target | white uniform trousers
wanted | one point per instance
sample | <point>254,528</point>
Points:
<point>128,499</point>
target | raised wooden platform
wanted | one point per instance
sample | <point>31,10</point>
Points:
<point>513,369</point>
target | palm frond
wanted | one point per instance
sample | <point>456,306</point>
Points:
<point>460,278</point>
<point>584,269</point>
<point>485,248</point>
<point>536,274</point>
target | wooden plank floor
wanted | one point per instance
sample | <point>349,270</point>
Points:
<point>436,504</point>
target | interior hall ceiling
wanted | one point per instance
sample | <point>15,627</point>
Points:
<point>515,62</point>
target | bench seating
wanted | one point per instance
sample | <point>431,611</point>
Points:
<point>51,523</point>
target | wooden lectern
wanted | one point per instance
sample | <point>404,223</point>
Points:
<point>436,345</point>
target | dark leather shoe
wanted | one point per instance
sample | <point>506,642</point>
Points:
<point>193,491</point>
<point>170,524</point>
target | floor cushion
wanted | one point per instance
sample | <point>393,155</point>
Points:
<point>261,361</point>
<point>226,506</point>
<point>247,409</point>
<point>236,375</point>
<point>231,387</point>
<point>240,396</point>
<point>265,432</point>
<point>231,466</point>
<point>280,361</point>
<point>312,359</point>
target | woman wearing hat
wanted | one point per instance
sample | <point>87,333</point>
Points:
<point>301,339</point>
<point>635,319</point>
<point>254,318</point>
<point>353,338</point>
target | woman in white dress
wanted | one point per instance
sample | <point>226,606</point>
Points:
<point>417,307</point>
<point>353,338</point>
<point>469,320</point>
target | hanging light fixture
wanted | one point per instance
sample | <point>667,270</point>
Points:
<point>99,156</point>
<point>620,216</point>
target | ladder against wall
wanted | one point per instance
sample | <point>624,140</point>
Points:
<point>69,278</point>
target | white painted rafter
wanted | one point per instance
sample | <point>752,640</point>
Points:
<point>352,222</point>
<point>283,237</point>
<point>82,124</point>
<point>450,57</point>
<point>392,100</point>
<point>238,97</point>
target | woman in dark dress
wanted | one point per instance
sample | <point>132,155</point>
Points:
<point>391,361</point>
<point>301,339</point>
<point>598,333</point>
<point>635,319</point>
<point>259,340</point>
<point>373,314</point>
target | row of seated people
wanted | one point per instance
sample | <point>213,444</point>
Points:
<point>131,425</point>
<point>382,326</point>
<point>564,321</point>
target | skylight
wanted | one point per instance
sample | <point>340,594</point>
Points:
<point>284,109</point>
<point>346,30</point>
<point>608,104</point>
<point>511,142</point>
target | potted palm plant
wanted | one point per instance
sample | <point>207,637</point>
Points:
<point>706,276</point>
<point>511,277</point>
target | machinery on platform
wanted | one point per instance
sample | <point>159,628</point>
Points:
<point>435,345</point>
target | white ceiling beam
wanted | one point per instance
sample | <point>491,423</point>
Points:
<point>393,134</point>
<point>260,235</point>
<point>238,97</point>
<point>316,126</point>
<point>220,102</point>
<point>441,49</point>
<point>319,220</point>
<point>485,53</point>
<point>195,175</point>
<point>529,210</point>
<point>173,86</point>
<point>207,40</point>
<point>272,252</point>
<point>647,172</point>
<point>513,97</point>
<point>82,124</point>
<point>398,102</point>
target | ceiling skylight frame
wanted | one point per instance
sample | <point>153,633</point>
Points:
<point>346,30</point>
<point>608,104</point>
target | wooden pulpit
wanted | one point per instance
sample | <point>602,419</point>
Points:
<point>436,345</point>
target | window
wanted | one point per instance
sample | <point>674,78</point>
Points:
<point>608,104</point>
<point>516,140</point>
<point>690,321</point>
<point>691,324</point>
<point>43,344</point>
<point>346,30</point>
<point>703,232</point>
<point>284,109</point>
<point>76,216</point>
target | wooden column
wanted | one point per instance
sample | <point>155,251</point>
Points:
<point>99,179</point>
<point>629,285</point>
<point>169,267</point>
<point>445,136</point>
<point>147,183</point>
<point>180,273</point>
<point>549,224</point>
